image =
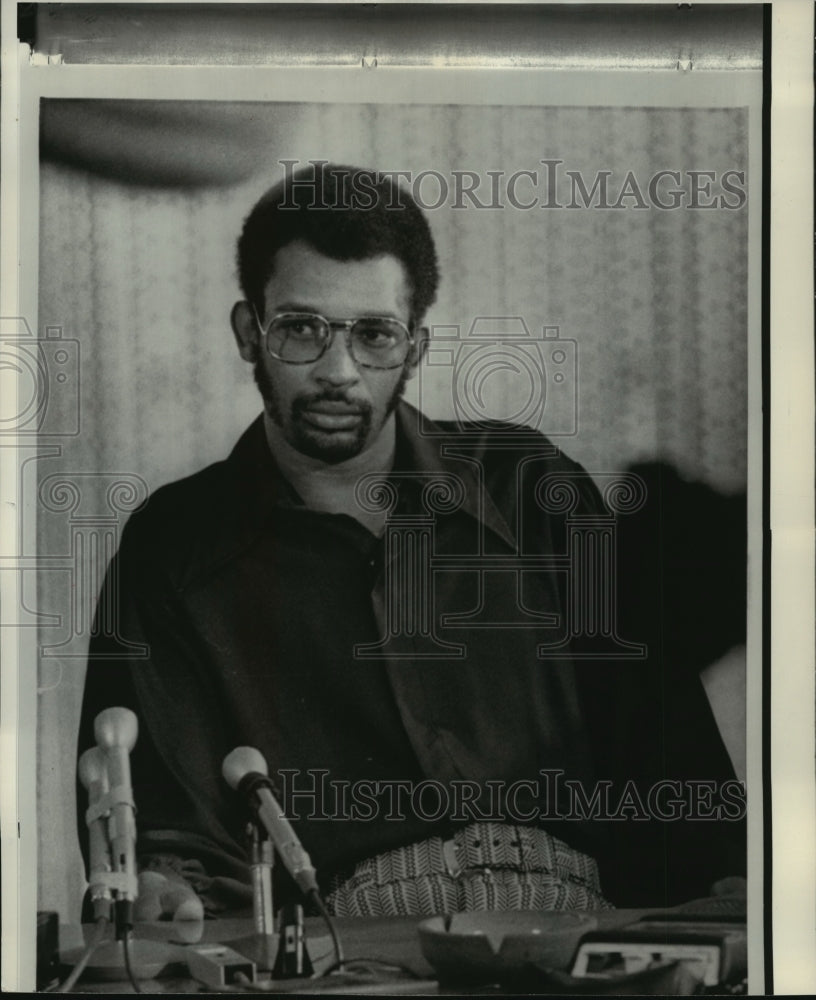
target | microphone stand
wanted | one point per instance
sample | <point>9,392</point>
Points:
<point>261,946</point>
<point>262,858</point>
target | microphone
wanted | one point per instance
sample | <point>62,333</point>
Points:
<point>94,777</point>
<point>245,770</point>
<point>116,730</point>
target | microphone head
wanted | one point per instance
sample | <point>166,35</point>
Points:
<point>92,767</point>
<point>116,727</point>
<point>240,762</point>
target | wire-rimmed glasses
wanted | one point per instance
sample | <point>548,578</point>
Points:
<point>300,338</point>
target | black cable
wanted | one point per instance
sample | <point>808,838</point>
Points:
<point>128,967</point>
<point>327,917</point>
<point>79,967</point>
<point>340,960</point>
<point>268,986</point>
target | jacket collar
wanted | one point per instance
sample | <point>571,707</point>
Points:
<point>429,447</point>
<point>423,446</point>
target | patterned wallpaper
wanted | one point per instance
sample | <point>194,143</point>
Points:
<point>650,302</point>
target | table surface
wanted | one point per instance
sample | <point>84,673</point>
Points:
<point>389,939</point>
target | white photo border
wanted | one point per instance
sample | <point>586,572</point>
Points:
<point>792,697</point>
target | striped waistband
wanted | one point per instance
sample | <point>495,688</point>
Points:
<point>483,866</point>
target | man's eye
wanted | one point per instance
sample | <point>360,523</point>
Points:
<point>377,334</point>
<point>302,329</point>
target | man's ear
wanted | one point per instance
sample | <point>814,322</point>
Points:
<point>245,329</point>
<point>418,349</point>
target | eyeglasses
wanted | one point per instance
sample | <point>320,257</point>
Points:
<point>301,338</point>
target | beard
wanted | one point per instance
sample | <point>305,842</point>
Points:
<point>329,447</point>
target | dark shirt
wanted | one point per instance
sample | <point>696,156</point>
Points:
<point>267,624</point>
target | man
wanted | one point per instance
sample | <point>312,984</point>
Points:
<point>286,599</point>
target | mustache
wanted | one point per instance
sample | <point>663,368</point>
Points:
<point>308,400</point>
<point>303,402</point>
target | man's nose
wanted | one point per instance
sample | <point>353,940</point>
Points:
<point>336,366</point>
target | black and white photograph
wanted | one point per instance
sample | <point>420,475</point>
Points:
<point>390,446</point>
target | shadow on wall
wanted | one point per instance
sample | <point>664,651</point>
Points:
<point>170,144</point>
<point>682,570</point>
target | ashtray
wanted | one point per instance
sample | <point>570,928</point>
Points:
<point>485,946</point>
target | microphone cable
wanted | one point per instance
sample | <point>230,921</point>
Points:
<point>126,941</point>
<point>339,957</point>
<point>100,928</point>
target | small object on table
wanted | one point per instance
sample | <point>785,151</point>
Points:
<point>666,979</point>
<point>217,965</point>
<point>714,951</point>
<point>293,960</point>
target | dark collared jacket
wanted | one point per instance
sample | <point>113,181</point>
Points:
<point>232,615</point>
